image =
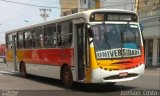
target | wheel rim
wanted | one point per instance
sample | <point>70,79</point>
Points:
<point>67,78</point>
<point>23,70</point>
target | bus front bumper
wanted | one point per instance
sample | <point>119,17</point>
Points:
<point>103,76</point>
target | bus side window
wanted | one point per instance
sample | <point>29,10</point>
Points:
<point>38,37</point>
<point>59,35</point>
<point>54,36</point>
<point>70,32</point>
<point>17,40</point>
<point>33,39</point>
<point>49,36</point>
<point>9,41</point>
<point>20,40</point>
<point>66,34</point>
<point>28,39</point>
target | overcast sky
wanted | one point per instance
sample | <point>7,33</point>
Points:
<point>14,15</point>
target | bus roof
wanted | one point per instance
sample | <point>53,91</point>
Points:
<point>83,14</point>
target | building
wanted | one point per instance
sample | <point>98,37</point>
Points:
<point>68,7</point>
<point>118,4</point>
<point>149,14</point>
<point>74,6</point>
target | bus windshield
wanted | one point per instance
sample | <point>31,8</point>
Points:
<point>116,40</point>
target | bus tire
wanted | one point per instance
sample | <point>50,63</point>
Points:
<point>23,69</point>
<point>67,77</point>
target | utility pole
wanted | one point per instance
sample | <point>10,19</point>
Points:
<point>136,7</point>
<point>44,13</point>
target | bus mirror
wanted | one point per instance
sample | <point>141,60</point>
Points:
<point>89,30</point>
<point>141,27</point>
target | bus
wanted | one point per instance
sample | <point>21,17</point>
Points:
<point>94,46</point>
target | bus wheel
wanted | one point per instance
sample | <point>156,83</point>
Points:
<point>23,69</point>
<point>67,77</point>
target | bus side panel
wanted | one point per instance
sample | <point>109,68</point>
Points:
<point>44,56</point>
<point>43,62</point>
<point>9,55</point>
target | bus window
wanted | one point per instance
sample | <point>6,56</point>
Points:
<point>20,40</point>
<point>66,34</point>
<point>59,35</point>
<point>49,33</point>
<point>28,39</point>
<point>38,39</point>
<point>54,36</point>
<point>9,41</point>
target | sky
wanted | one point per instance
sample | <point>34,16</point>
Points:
<point>16,14</point>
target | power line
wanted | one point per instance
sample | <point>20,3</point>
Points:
<point>17,16</point>
<point>44,1</point>
<point>39,6</point>
<point>68,2</point>
<point>27,4</point>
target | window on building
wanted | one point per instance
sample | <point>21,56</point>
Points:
<point>38,39</point>
<point>149,8</point>
<point>65,13</point>
<point>159,52</point>
<point>75,10</point>
<point>81,2</point>
<point>50,36</point>
<point>85,1</point>
<point>155,7</point>
<point>150,52</point>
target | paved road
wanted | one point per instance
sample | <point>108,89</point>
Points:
<point>12,84</point>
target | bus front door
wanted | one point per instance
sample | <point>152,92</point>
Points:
<point>80,51</point>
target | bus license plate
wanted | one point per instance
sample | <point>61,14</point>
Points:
<point>124,74</point>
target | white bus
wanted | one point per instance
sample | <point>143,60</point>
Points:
<point>95,46</point>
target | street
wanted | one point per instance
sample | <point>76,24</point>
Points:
<point>12,84</point>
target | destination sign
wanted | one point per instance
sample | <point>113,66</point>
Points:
<point>119,17</point>
<point>101,16</point>
<point>117,53</point>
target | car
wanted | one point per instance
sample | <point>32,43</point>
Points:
<point>2,59</point>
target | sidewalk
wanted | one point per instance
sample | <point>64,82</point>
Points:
<point>3,65</point>
<point>153,68</point>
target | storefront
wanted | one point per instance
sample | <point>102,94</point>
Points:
<point>152,52</point>
<point>149,14</point>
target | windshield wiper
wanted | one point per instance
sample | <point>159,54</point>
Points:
<point>106,37</point>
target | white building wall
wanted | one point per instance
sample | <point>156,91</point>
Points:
<point>118,4</point>
<point>83,5</point>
